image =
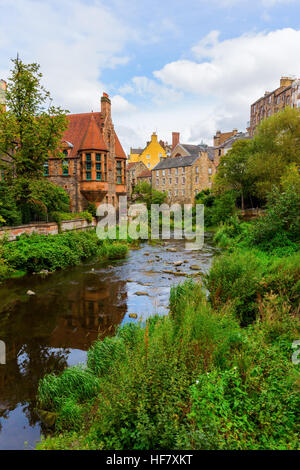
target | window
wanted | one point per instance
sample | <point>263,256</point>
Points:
<point>88,165</point>
<point>209,171</point>
<point>88,157</point>
<point>183,170</point>
<point>176,180</point>
<point>46,170</point>
<point>278,99</point>
<point>163,172</point>
<point>176,171</point>
<point>88,175</point>
<point>196,179</point>
<point>119,179</point>
<point>164,181</point>
<point>220,152</point>
<point>157,172</point>
<point>288,100</point>
<point>170,180</point>
<point>183,180</point>
<point>157,182</point>
<point>170,193</point>
<point>98,166</point>
<point>98,176</point>
<point>183,192</point>
<point>197,169</point>
<point>65,167</point>
<point>148,156</point>
<point>98,157</point>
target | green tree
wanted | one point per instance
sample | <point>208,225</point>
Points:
<point>146,194</point>
<point>32,128</point>
<point>233,171</point>
<point>276,146</point>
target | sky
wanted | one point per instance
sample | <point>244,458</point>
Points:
<point>191,66</point>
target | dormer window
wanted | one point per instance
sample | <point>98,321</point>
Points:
<point>65,167</point>
<point>46,169</point>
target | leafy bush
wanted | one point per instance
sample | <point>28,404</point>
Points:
<point>191,380</point>
<point>217,208</point>
<point>281,224</point>
<point>9,212</point>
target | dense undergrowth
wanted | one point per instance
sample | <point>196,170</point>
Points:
<point>192,380</point>
<point>40,252</point>
<point>216,373</point>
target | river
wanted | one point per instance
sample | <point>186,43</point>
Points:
<point>54,329</point>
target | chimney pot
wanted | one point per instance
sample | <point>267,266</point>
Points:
<point>175,139</point>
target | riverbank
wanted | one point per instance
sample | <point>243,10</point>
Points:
<point>48,253</point>
<point>215,373</point>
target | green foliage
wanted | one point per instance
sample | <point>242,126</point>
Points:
<point>192,380</point>
<point>217,208</point>
<point>113,250</point>
<point>59,217</point>
<point>31,121</point>
<point>281,224</point>
<point>146,194</point>
<point>233,171</point>
<point>9,212</point>
<point>92,209</point>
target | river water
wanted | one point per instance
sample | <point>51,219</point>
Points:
<point>54,329</point>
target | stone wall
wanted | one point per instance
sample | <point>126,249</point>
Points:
<point>46,228</point>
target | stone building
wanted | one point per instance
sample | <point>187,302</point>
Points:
<point>134,170</point>
<point>151,155</point>
<point>94,167</point>
<point>183,176</point>
<point>223,142</point>
<point>288,94</point>
<point>145,177</point>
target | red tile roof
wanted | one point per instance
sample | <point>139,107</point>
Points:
<point>86,128</point>
<point>93,139</point>
<point>145,174</point>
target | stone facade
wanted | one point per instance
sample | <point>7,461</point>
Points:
<point>93,169</point>
<point>223,142</point>
<point>145,177</point>
<point>133,170</point>
<point>288,94</point>
<point>46,228</point>
<point>182,177</point>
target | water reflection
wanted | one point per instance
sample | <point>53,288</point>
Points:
<point>41,332</point>
<point>71,309</point>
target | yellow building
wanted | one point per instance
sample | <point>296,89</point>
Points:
<point>152,154</point>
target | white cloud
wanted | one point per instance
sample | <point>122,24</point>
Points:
<point>74,42</point>
<point>120,105</point>
<point>217,88</point>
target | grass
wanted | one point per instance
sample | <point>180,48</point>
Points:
<point>195,379</point>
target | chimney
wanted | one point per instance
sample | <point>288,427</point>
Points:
<point>175,139</point>
<point>106,106</point>
<point>217,139</point>
<point>154,137</point>
<point>286,81</point>
<point>3,86</point>
<point>235,131</point>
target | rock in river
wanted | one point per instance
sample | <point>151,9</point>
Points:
<point>195,267</point>
<point>30,292</point>
<point>141,293</point>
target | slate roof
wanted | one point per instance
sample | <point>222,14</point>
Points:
<point>231,140</point>
<point>195,149</point>
<point>137,151</point>
<point>176,162</point>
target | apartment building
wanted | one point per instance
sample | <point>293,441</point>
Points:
<point>287,94</point>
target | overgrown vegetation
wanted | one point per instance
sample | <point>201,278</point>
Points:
<point>192,380</point>
<point>35,253</point>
